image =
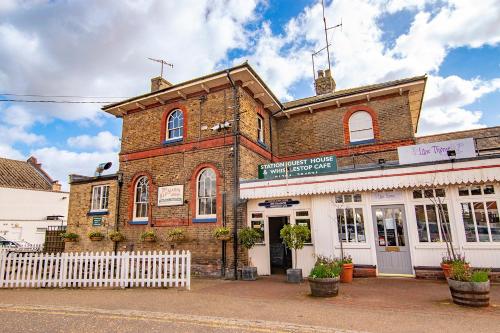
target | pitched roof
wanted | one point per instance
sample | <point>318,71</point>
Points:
<point>350,91</point>
<point>24,174</point>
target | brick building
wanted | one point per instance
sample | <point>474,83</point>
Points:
<point>191,152</point>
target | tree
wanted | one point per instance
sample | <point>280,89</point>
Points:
<point>294,237</point>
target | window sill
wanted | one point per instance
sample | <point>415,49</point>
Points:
<point>171,141</point>
<point>104,212</point>
<point>483,246</point>
<point>205,220</point>
<point>362,142</point>
<point>139,222</point>
<point>262,144</point>
<point>431,246</point>
<point>354,246</point>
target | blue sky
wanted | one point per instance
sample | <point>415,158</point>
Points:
<point>93,48</point>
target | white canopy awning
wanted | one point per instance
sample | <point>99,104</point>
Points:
<point>466,172</point>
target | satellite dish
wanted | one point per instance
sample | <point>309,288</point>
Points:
<point>101,167</point>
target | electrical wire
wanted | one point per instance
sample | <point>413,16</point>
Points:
<point>60,96</point>
<point>54,101</point>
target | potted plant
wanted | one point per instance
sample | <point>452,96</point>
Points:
<point>148,236</point>
<point>116,236</point>
<point>294,238</point>
<point>347,269</point>
<point>69,237</point>
<point>248,237</point>
<point>469,288</point>
<point>176,235</point>
<point>447,262</point>
<point>222,233</point>
<point>96,236</point>
<point>324,277</point>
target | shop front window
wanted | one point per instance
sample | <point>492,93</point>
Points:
<point>302,218</point>
<point>257,223</point>
<point>350,224</point>
<point>431,224</point>
<point>481,221</point>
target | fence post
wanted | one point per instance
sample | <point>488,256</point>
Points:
<point>188,271</point>
<point>64,262</point>
<point>124,269</point>
<point>3,255</point>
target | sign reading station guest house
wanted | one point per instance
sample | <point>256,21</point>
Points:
<point>310,166</point>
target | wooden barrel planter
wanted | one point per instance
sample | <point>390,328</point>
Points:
<point>327,287</point>
<point>475,294</point>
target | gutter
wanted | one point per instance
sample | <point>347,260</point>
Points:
<point>117,213</point>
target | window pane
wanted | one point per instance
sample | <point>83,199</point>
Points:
<point>305,223</point>
<point>349,216</point>
<point>482,226</point>
<point>489,189</point>
<point>440,192</point>
<point>357,198</point>
<point>494,219</point>
<point>257,215</point>
<point>475,190</point>
<point>428,193</point>
<point>347,198</point>
<point>445,223</point>
<point>421,225</point>
<point>339,198</point>
<point>470,232</point>
<point>380,227</point>
<point>432,221</point>
<point>463,191</point>
<point>398,216</point>
<point>341,225</point>
<point>258,225</point>
<point>212,205</point>
<point>417,194</point>
<point>302,213</point>
<point>360,225</point>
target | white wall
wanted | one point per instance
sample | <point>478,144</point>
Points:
<point>23,211</point>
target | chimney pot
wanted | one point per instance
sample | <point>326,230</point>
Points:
<point>320,73</point>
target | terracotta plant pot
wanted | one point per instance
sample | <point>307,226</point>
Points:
<point>347,271</point>
<point>149,239</point>
<point>447,269</point>
<point>327,287</point>
<point>475,294</point>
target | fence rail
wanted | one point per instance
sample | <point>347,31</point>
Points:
<point>123,269</point>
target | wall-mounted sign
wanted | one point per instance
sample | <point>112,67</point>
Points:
<point>97,221</point>
<point>436,151</point>
<point>310,166</point>
<point>279,203</point>
<point>171,195</point>
<point>387,196</point>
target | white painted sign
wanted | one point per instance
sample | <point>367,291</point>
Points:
<point>387,196</point>
<point>436,151</point>
<point>171,195</point>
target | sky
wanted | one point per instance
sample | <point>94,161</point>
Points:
<point>91,50</point>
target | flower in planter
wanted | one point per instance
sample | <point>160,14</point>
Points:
<point>96,236</point>
<point>176,235</point>
<point>148,236</point>
<point>116,236</point>
<point>467,287</point>
<point>69,237</point>
<point>222,233</point>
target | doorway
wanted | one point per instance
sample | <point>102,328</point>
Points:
<point>391,240</point>
<point>280,256</point>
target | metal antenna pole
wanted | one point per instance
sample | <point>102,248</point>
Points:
<point>326,34</point>
<point>162,62</point>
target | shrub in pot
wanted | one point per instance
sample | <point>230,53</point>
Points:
<point>176,235</point>
<point>447,262</point>
<point>116,236</point>
<point>347,269</point>
<point>96,236</point>
<point>69,237</point>
<point>469,288</point>
<point>148,236</point>
<point>248,237</point>
<point>222,233</point>
<point>324,277</point>
<point>294,237</point>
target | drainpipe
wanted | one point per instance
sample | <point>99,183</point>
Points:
<point>236,176</point>
<point>117,213</point>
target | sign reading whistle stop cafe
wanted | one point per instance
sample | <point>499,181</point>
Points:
<point>310,166</point>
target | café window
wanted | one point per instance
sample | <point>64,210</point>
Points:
<point>350,224</point>
<point>257,224</point>
<point>474,190</point>
<point>429,193</point>
<point>100,198</point>
<point>346,198</point>
<point>433,223</point>
<point>481,221</point>
<point>302,218</point>
<point>260,128</point>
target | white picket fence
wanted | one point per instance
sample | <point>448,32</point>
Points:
<point>123,269</point>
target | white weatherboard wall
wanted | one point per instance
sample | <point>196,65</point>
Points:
<point>23,211</point>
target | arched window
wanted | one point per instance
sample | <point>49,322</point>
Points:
<point>141,199</point>
<point>206,194</point>
<point>360,127</point>
<point>175,125</point>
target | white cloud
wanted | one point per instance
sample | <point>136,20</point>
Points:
<point>7,151</point>
<point>59,164</point>
<point>103,142</point>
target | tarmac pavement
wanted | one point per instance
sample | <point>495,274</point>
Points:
<point>266,305</point>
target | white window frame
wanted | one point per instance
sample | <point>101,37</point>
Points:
<point>262,222</point>
<point>350,205</point>
<point>426,201</point>
<point>102,199</point>
<point>205,216</point>
<point>483,199</point>
<point>308,217</point>
<point>136,186</point>
<point>361,127</point>
<point>181,125</point>
<point>260,128</point>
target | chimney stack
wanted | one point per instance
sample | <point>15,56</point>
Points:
<point>158,83</point>
<point>324,83</point>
